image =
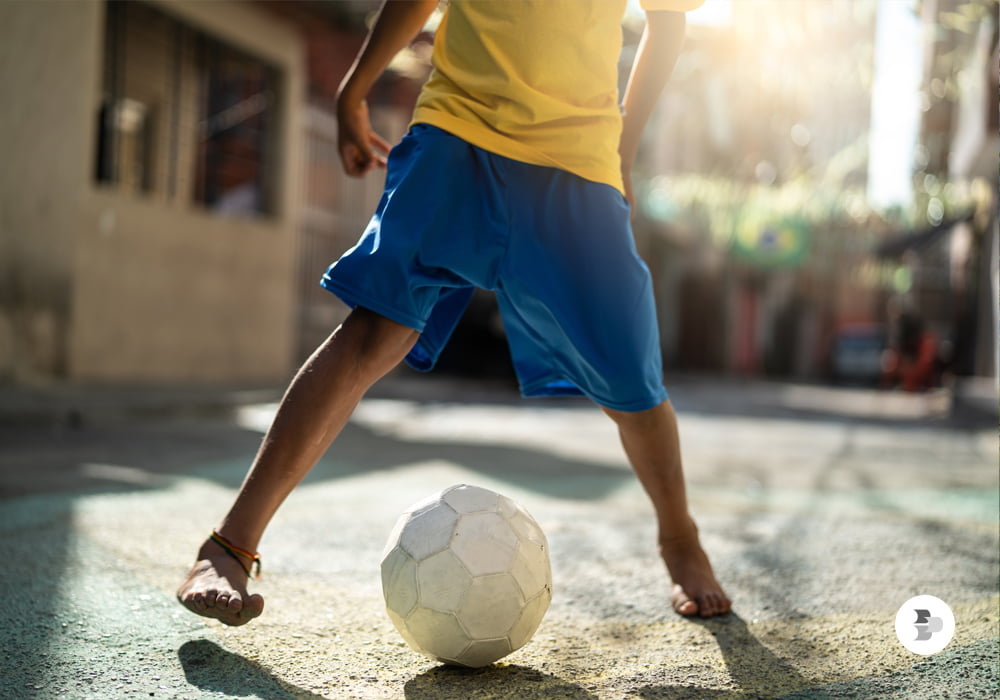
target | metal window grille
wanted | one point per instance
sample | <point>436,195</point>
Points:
<point>185,117</point>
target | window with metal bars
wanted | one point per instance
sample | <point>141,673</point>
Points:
<point>185,117</point>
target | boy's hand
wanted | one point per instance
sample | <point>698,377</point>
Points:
<point>361,149</point>
<point>655,58</point>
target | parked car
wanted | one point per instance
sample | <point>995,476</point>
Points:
<point>857,352</point>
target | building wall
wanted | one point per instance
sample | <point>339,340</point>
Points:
<point>47,84</point>
<point>167,295</point>
<point>130,286</point>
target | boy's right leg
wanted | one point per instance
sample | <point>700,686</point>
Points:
<point>315,408</point>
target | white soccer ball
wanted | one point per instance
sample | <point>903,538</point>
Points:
<point>466,576</point>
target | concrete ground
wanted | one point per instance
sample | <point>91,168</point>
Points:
<point>823,510</point>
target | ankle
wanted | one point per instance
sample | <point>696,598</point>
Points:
<point>678,534</point>
<point>248,561</point>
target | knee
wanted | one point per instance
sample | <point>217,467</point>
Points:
<point>374,332</point>
<point>376,343</point>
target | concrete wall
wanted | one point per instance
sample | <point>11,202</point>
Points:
<point>162,295</point>
<point>100,284</point>
<point>47,84</point>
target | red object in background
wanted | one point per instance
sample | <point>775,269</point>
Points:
<point>745,352</point>
<point>913,372</point>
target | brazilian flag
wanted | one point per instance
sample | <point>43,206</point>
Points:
<point>779,243</point>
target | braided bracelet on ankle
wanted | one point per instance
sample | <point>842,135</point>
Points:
<point>232,550</point>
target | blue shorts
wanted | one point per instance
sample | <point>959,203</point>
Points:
<point>575,297</point>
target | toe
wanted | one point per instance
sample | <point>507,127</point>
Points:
<point>253,606</point>
<point>240,611</point>
<point>682,603</point>
<point>192,600</point>
<point>688,608</point>
<point>706,608</point>
<point>714,604</point>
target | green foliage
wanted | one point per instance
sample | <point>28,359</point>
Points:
<point>721,207</point>
<point>801,221</point>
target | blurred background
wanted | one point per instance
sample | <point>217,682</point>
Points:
<point>817,190</point>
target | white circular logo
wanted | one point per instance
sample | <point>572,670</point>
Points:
<point>925,625</point>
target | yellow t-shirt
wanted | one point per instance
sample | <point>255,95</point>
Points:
<point>534,80</point>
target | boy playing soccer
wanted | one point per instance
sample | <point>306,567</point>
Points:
<point>511,178</point>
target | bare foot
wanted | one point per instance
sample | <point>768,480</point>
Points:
<point>695,590</point>
<point>216,587</point>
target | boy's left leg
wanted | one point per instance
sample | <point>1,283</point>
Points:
<point>652,444</point>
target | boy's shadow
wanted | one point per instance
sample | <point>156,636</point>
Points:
<point>213,669</point>
<point>752,666</point>
<point>491,683</point>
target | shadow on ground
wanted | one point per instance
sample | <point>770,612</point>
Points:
<point>492,682</point>
<point>210,668</point>
<point>526,468</point>
<point>753,667</point>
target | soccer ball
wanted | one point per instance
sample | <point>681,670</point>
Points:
<point>466,576</point>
